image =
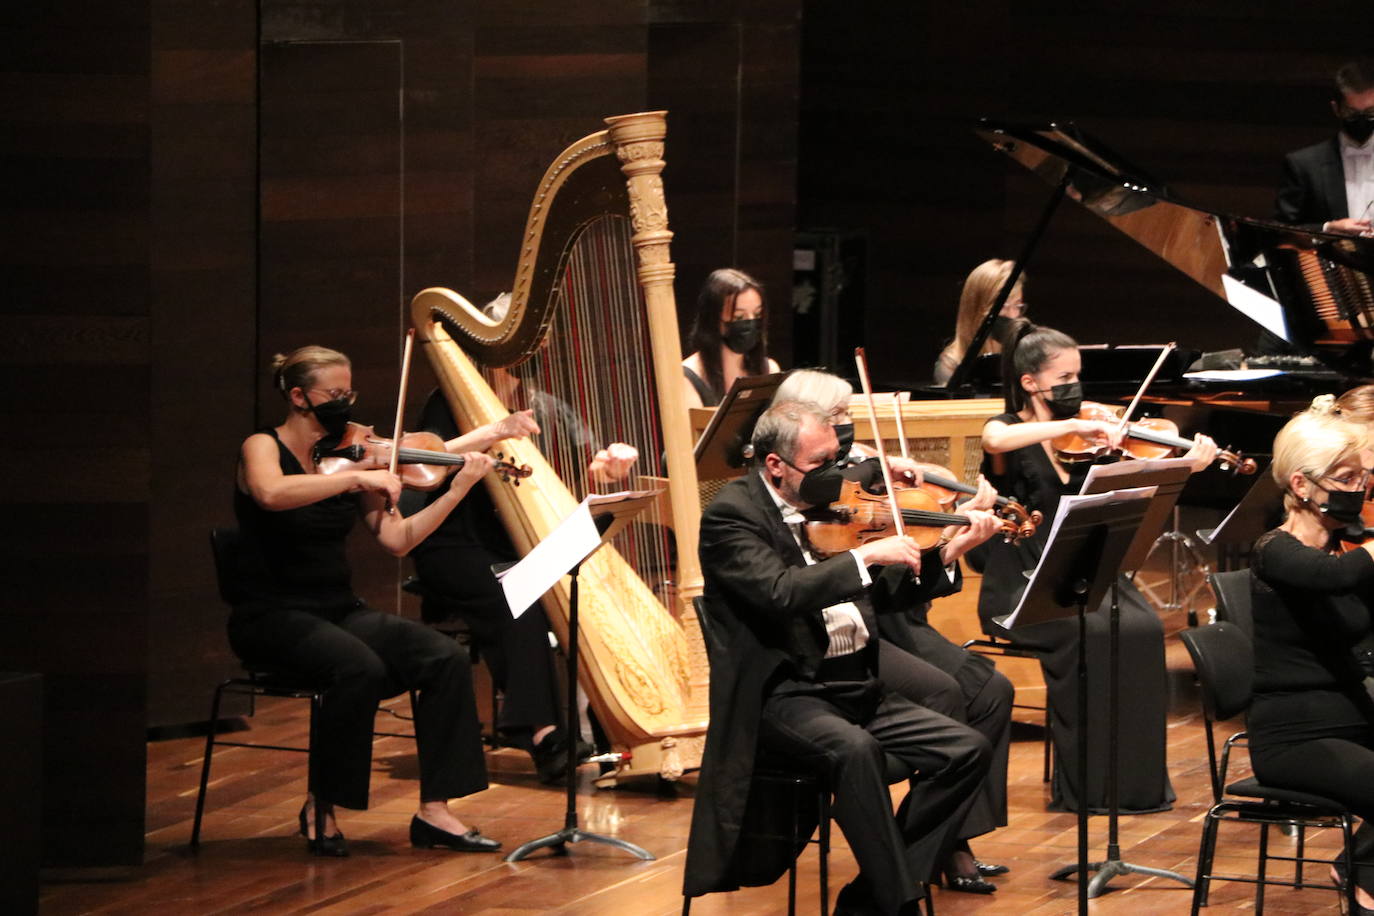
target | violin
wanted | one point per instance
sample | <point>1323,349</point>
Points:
<point>1151,437</point>
<point>946,491</point>
<point>422,462</point>
<point>858,517</point>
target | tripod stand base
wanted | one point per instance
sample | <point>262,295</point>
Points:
<point>1109,869</point>
<point>558,843</point>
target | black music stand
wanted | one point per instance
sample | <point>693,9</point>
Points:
<point>610,514</point>
<point>1088,541</point>
<point>720,450</point>
<point>1259,510</point>
<point>1168,478</point>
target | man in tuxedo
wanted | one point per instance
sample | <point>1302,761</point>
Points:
<point>795,673</point>
<point>1330,186</point>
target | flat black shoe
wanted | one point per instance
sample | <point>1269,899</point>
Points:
<point>551,756</point>
<point>990,871</point>
<point>335,846</point>
<point>968,884</point>
<point>424,835</point>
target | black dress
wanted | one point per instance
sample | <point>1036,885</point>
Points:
<point>296,611</point>
<point>1311,722</point>
<point>454,564</point>
<point>1029,476</point>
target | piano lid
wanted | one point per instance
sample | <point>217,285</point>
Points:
<point>1312,289</point>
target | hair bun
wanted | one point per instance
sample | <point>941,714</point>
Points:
<point>1323,404</point>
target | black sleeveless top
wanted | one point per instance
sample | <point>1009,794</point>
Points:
<point>709,396</point>
<point>294,558</point>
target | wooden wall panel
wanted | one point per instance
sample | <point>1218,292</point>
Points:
<point>75,363</point>
<point>204,318</point>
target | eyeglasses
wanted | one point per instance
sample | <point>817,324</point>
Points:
<point>339,394</point>
<point>1345,481</point>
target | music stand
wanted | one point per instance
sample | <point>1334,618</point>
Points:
<point>1088,540</point>
<point>720,450</point>
<point>1167,477</point>
<point>1259,510</point>
<point>598,519</point>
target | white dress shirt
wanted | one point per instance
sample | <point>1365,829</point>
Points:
<point>1357,161</point>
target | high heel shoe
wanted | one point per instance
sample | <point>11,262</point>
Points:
<point>335,846</point>
<point>966,884</point>
<point>424,835</point>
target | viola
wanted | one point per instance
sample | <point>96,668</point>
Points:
<point>422,462</point>
<point>858,517</point>
<point>940,483</point>
<point>1152,437</point>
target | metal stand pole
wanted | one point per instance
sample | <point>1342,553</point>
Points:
<point>570,832</point>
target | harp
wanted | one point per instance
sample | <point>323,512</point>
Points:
<point>590,342</point>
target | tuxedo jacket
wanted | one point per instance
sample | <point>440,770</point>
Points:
<point>764,604</point>
<point>1313,187</point>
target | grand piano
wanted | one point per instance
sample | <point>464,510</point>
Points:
<point>1309,294</point>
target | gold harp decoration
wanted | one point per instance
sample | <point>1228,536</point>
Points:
<point>592,304</point>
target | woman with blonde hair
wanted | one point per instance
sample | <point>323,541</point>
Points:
<point>980,291</point>
<point>1311,722</point>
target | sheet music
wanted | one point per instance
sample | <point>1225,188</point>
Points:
<point>1122,468</point>
<point>569,544</point>
<point>1066,504</point>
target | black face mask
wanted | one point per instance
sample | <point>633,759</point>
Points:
<point>845,433</point>
<point>819,486</point>
<point>1000,326</point>
<point>1358,127</point>
<point>1064,400</point>
<point>743,335</point>
<point>333,415</point>
<point>1341,505</point>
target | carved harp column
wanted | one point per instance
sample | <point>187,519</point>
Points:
<point>590,343</point>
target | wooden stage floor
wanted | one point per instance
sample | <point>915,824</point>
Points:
<point>251,858</point>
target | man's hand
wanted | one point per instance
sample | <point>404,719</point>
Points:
<point>891,551</point>
<point>1350,226</point>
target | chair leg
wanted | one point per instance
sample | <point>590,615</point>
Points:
<point>686,905</point>
<point>825,852</point>
<point>205,767</point>
<point>1205,854</point>
<point>1348,853</point>
<point>1263,868</point>
<point>1297,866</point>
<point>312,767</point>
<point>1047,765</point>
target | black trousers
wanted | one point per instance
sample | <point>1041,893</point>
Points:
<point>517,650</point>
<point>1320,741</point>
<point>980,699</point>
<point>364,656</point>
<point>846,731</point>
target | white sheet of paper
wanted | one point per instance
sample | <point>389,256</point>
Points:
<point>569,544</point>
<point>1233,375</point>
<point>1256,306</point>
<point>1067,502</point>
<point>1120,468</point>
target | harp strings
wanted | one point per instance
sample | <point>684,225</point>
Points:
<point>592,384</point>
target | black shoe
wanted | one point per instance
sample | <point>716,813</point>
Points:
<point>990,871</point>
<point>424,835</point>
<point>551,756</point>
<point>335,845</point>
<point>967,884</point>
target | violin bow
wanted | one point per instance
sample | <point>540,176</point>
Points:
<point>862,365</point>
<point>401,405</point>
<point>897,417</point>
<point>1135,401</point>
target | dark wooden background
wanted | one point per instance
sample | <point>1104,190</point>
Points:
<point>193,185</point>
